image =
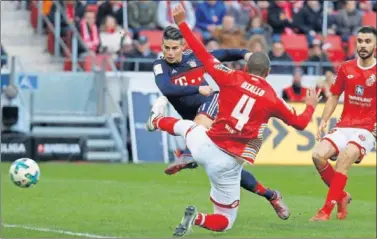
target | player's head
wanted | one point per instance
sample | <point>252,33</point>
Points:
<point>172,45</point>
<point>366,42</point>
<point>259,64</point>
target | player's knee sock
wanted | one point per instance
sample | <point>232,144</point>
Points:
<point>166,124</point>
<point>250,183</point>
<point>213,222</point>
<point>327,174</point>
<point>335,193</point>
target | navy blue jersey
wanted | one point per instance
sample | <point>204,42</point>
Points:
<point>180,82</point>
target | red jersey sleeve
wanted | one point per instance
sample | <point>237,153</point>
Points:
<point>289,116</point>
<point>337,87</point>
<point>219,72</point>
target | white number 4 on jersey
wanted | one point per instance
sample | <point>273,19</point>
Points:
<point>246,103</point>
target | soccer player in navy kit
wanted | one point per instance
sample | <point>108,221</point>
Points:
<point>180,77</point>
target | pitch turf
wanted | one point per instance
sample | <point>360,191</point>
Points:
<point>140,201</point>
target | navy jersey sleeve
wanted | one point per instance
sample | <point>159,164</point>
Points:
<point>229,54</point>
<point>162,79</point>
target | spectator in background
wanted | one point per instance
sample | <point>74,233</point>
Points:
<point>244,12</point>
<point>257,43</point>
<point>295,92</point>
<point>349,20</point>
<point>317,54</point>
<point>110,7</point>
<point>142,50</point>
<point>141,15</point>
<point>366,6</point>
<point>165,18</point>
<point>279,54</point>
<point>375,6</point>
<point>209,14</point>
<point>257,27</point>
<point>89,32</point>
<point>212,44</point>
<point>279,18</point>
<point>112,37</point>
<point>309,19</point>
<point>263,7</point>
<point>4,56</point>
<point>229,35</point>
<point>325,84</point>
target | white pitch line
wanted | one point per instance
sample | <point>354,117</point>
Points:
<point>40,229</point>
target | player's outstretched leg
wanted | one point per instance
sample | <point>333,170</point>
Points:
<point>158,120</point>
<point>250,183</point>
<point>183,158</point>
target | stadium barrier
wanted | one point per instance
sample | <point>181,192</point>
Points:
<point>15,146</point>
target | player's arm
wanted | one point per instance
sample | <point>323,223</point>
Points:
<point>231,54</point>
<point>162,79</point>
<point>288,114</point>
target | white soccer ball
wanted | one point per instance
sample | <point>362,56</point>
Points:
<point>24,172</point>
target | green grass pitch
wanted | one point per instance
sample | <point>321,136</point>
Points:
<point>118,200</point>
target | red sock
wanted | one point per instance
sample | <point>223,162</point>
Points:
<point>335,193</point>
<point>213,222</point>
<point>327,174</point>
<point>166,124</point>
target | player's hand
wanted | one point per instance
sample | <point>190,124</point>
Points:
<point>205,90</point>
<point>313,97</point>
<point>179,14</point>
<point>321,129</point>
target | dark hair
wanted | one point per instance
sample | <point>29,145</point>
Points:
<point>172,33</point>
<point>368,29</point>
<point>258,64</point>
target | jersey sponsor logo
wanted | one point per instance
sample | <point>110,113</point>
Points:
<point>350,76</point>
<point>359,90</point>
<point>192,63</point>
<point>361,99</point>
<point>371,80</point>
<point>157,69</point>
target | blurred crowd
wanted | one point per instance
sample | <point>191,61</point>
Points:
<point>255,25</point>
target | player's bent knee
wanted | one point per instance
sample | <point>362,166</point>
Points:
<point>202,119</point>
<point>347,157</point>
<point>229,213</point>
<point>319,158</point>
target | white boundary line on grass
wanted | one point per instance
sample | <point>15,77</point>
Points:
<point>40,229</point>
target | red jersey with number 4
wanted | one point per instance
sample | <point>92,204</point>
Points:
<point>246,102</point>
<point>359,87</point>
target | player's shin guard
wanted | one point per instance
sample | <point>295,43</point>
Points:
<point>250,183</point>
<point>213,222</point>
<point>335,192</point>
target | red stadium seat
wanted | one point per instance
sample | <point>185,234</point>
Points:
<point>370,19</point>
<point>296,46</point>
<point>154,37</point>
<point>335,52</point>
<point>92,7</point>
<point>50,42</point>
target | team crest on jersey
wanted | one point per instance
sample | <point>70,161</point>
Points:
<point>359,90</point>
<point>192,63</point>
<point>371,80</point>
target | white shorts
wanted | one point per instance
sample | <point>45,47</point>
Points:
<point>362,138</point>
<point>223,170</point>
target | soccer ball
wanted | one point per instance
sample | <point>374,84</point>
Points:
<point>24,172</point>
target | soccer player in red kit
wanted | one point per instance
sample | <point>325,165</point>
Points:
<point>355,134</point>
<point>246,102</point>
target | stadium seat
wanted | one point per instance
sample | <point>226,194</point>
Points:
<point>296,46</point>
<point>335,52</point>
<point>369,19</point>
<point>89,62</point>
<point>50,42</point>
<point>92,7</point>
